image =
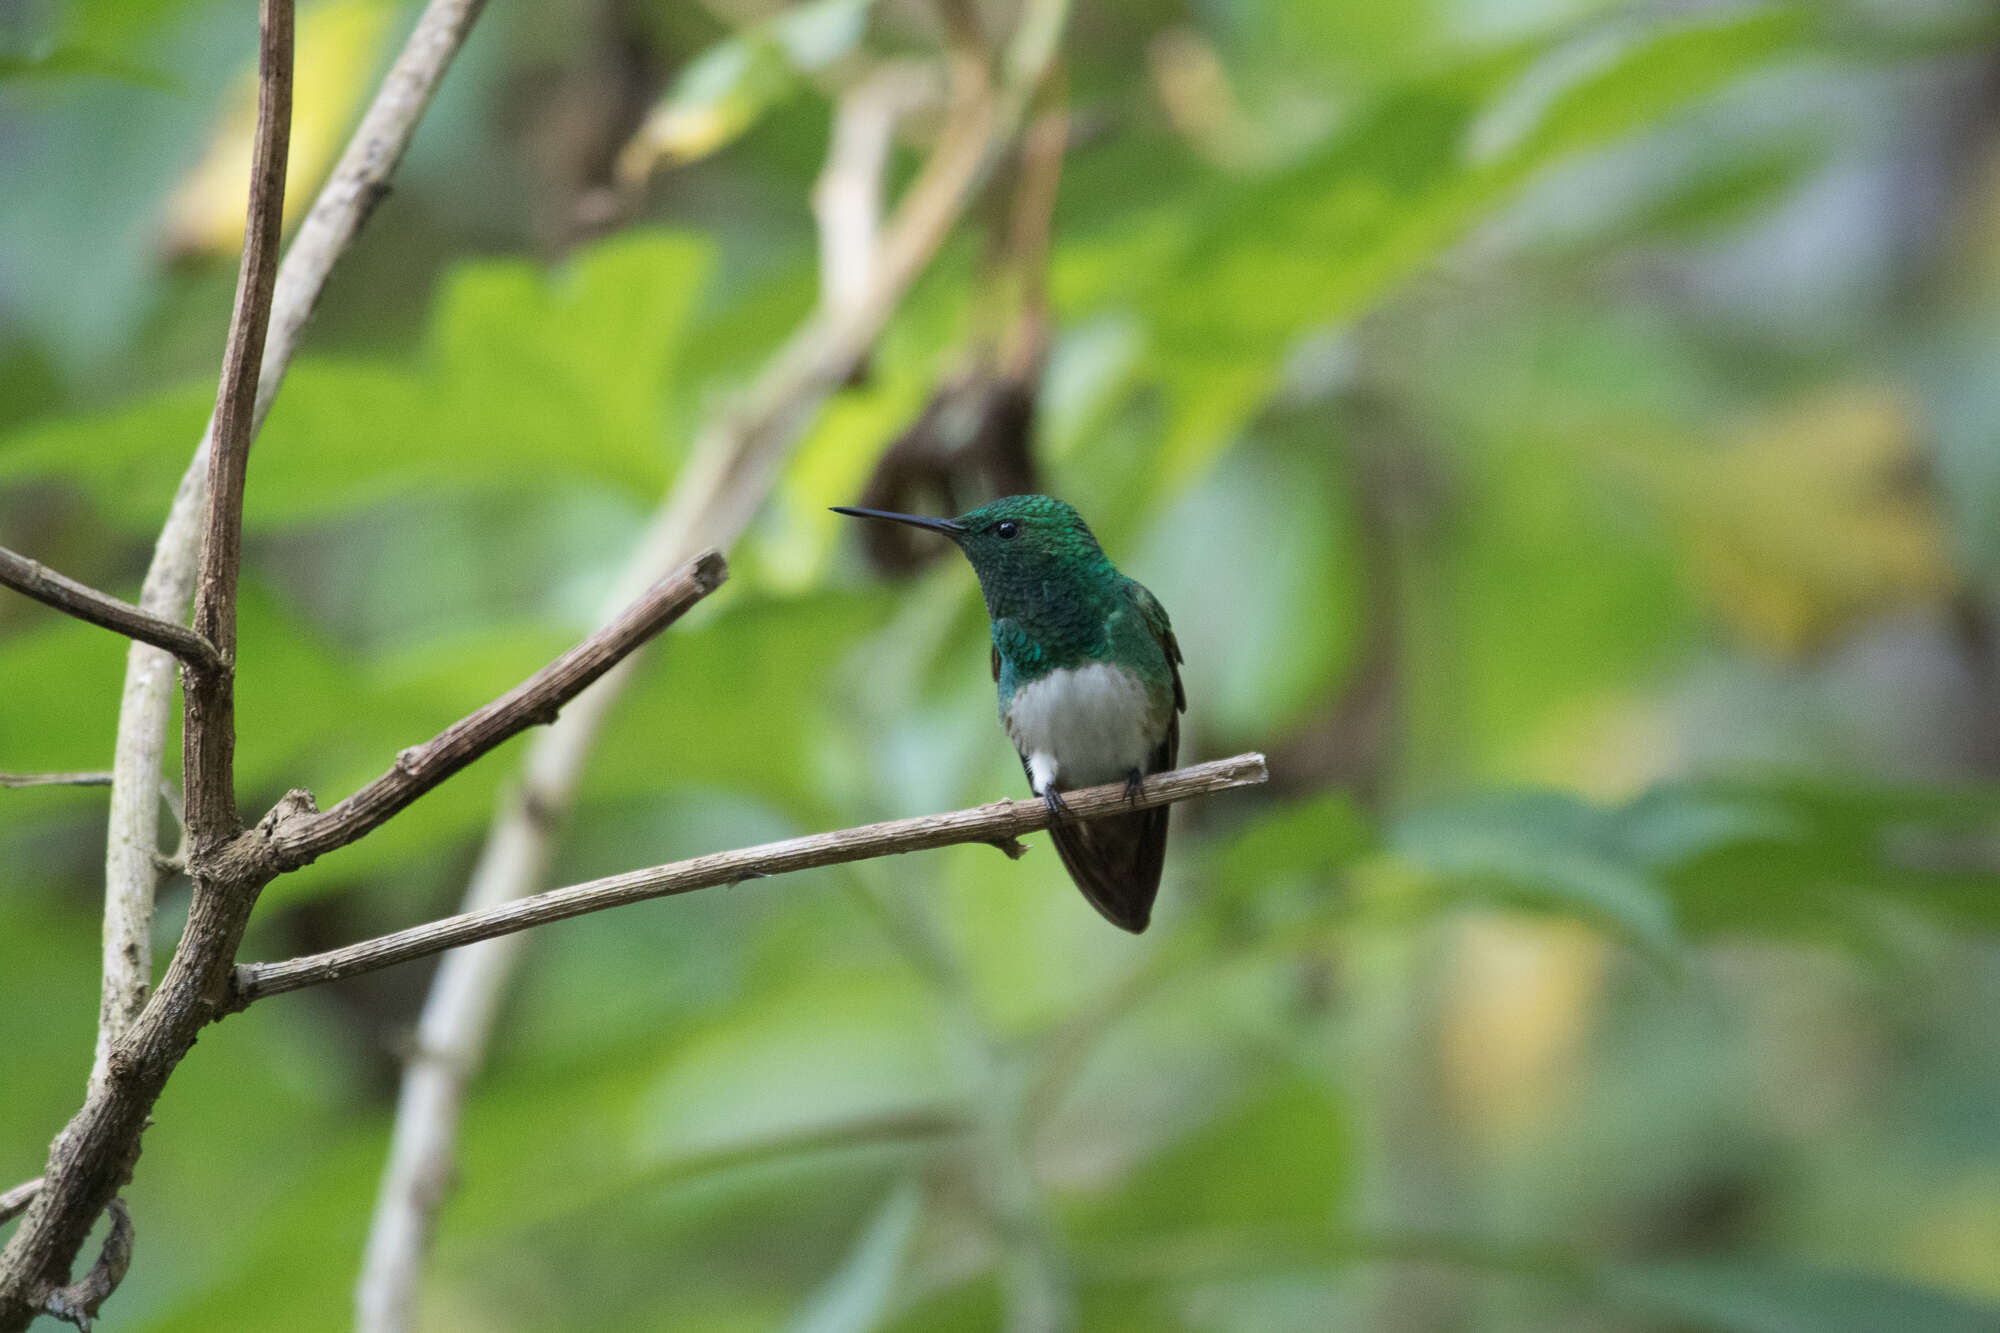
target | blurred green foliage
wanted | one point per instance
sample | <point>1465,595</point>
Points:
<point>1562,433</point>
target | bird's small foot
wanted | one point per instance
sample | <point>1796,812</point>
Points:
<point>1058,807</point>
<point>1135,785</point>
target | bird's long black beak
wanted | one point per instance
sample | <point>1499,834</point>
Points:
<point>948,526</point>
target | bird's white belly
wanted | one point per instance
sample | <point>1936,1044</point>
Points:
<point>1080,726</point>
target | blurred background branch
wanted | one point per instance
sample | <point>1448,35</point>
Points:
<point>733,464</point>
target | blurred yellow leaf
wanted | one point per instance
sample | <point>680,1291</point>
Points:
<point>1518,1005</point>
<point>339,47</point>
<point>1812,519</point>
<point>727,89</point>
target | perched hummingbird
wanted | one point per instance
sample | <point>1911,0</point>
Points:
<point>1090,684</point>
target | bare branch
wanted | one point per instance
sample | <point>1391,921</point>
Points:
<point>985,823</point>
<point>78,1302</point>
<point>350,194</point>
<point>536,701</point>
<point>93,778</point>
<point>138,1043</point>
<point>86,603</point>
<point>18,1198</point>
<point>210,725</point>
<point>92,1159</point>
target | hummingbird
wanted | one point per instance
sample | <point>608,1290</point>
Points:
<point>1089,682</point>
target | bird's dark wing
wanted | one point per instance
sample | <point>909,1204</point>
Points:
<point>1155,617</point>
<point>1116,861</point>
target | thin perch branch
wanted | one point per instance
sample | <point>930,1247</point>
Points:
<point>297,839</point>
<point>985,823</point>
<point>86,603</point>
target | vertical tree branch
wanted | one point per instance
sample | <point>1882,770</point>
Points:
<point>92,1158</point>
<point>132,842</point>
<point>729,472</point>
<point>358,182</point>
<point>210,729</point>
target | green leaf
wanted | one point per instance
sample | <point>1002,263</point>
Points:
<point>1736,1296</point>
<point>1785,858</point>
<point>830,1049</point>
<point>1544,849</point>
<point>723,92</point>
<point>684,723</point>
<point>82,62</point>
<point>1312,836</point>
<point>854,1299</point>
<point>1280,1164</point>
<point>1658,74</point>
<point>1319,243</point>
<point>128,460</point>
<point>1262,635</point>
<point>1796,857</point>
<point>528,380</point>
<point>63,680</point>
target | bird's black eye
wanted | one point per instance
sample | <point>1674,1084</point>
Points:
<point>1006,528</point>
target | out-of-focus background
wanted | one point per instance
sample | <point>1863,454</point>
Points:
<point>1563,432</point>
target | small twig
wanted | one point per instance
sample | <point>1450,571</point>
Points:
<point>18,1198</point>
<point>297,839</point>
<point>93,778</point>
<point>254,981</point>
<point>86,603</point>
<point>79,1302</point>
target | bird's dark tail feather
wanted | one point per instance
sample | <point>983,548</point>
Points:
<point>1116,861</point>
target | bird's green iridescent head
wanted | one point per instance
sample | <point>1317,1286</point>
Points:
<point>1035,556</point>
<point>1025,533</point>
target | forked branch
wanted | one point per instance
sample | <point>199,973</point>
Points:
<point>986,823</point>
<point>344,203</point>
<point>297,838</point>
<point>92,1158</point>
